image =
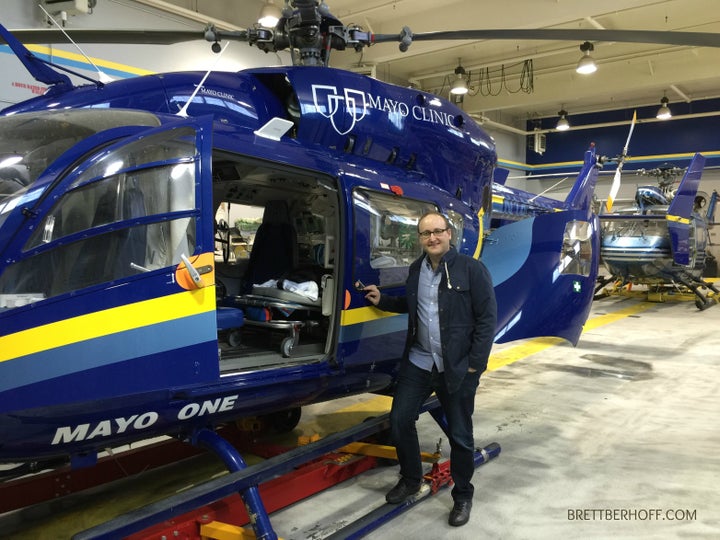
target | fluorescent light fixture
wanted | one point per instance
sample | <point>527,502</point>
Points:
<point>459,85</point>
<point>664,111</point>
<point>269,15</point>
<point>563,124</point>
<point>586,65</point>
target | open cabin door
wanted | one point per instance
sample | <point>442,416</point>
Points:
<point>276,263</point>
<point>98,303</point>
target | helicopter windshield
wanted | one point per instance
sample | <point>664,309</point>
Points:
<point>30,142</point>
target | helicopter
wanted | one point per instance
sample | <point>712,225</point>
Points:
<point>118,322</point>
<point>662,238</point>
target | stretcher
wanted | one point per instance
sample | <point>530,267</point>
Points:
<point>279,310</point>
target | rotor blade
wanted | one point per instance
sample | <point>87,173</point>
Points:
<point>615,187</point>
<point>627,142</point>
<point>693,39</point>
<point>142,37</point>
<point>168,37</point>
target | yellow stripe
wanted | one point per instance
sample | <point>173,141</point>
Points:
<point>478,246</point>
<point>678,219</point>
<point>109,321</point>
<point>517,164</point>
<point>41,49</point>
<point>511,162</point>
<point>533,346</point>
<point>650,157</point>
<point>362,315</point>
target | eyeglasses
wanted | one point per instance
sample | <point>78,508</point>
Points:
<point>436,232</point>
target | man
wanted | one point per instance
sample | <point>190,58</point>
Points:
<point>452,314</point>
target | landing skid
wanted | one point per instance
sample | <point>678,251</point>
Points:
<point>600,290</point>
<point>682,287</point>
<point>244,480</point>
<point>437,478</point>
<point>702,300</point>
<point>29,468</point>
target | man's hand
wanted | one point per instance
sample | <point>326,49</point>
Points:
<point>373,293</point>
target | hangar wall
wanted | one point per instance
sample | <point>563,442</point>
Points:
<point>654,143</point>
<point>117,61</point>
<point>693,128</point>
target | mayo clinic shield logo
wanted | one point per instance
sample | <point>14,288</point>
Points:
<point>328,103</point>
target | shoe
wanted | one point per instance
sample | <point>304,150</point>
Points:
<point>402,491</point>
<point>460,513</point>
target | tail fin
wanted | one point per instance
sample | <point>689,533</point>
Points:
<point>35,66</point>
<point>580,196</point>
<point>680,211</point>
<point>500,175</point>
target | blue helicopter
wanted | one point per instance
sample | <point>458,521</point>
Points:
<point>119,323</point>
<point>662,238</point>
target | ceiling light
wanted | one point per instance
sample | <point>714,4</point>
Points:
<point>563,124</point>
<point>269,14</point>
<point>664,111</point>
<point>586,65</point>
<point>459,85</point>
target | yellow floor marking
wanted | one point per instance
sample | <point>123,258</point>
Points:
<point>216,530</point>
<point>377,404</point>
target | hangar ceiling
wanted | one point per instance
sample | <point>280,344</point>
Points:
<point>629,74</point>
<point>511,81</point>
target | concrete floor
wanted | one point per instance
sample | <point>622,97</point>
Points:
<point>619,431</point>
<point>616,438</point>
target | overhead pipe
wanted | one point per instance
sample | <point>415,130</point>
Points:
<point>503,127</point>
<point>189,14</point>
<point>680,93</point>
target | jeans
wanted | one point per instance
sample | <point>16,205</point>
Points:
<point>414,386</point>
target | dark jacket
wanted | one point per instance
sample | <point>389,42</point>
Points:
<point>468,313</point>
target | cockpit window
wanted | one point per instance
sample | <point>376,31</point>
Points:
<point>133,210</point>
<point>30,142</point>
<point>154,175</point>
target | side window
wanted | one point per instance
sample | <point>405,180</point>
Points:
<point>236,226</point>
<point>313,237</point>
<point>225,109</point>
<point>457,222</point>
<point>386,239</point>
<point>133,211</point>
<point>576,256</point>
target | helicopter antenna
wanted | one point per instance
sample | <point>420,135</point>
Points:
<point>104,77</point>
<point>183,112</point>
<point>615,187</point>
<point>548,189</point>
